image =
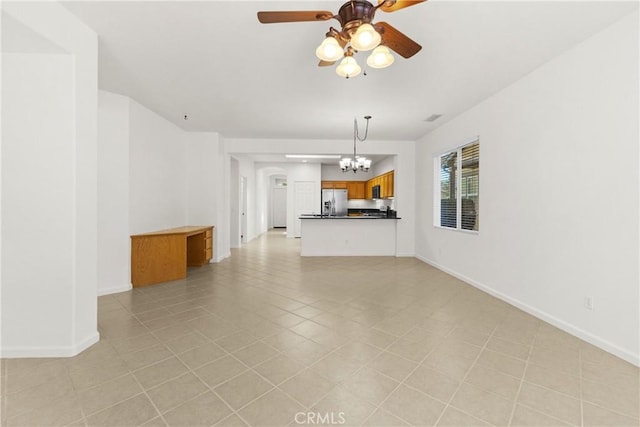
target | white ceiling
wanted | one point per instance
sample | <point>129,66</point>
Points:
<point>213,61</point>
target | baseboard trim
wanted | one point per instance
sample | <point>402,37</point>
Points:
<point>63,351</point>
<point>542,315</point>
<point>405,255</point>
<point>114,290</point>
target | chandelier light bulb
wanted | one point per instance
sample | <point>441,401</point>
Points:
<point>365,38</point>
<point>329,50</point>
<point>380,58</point>
<point>348,67</point>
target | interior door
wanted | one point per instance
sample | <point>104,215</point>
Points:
<point>305,199</point>
<point>279,207</point>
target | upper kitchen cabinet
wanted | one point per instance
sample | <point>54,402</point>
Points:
<point>340,185</point>
<point>355,189</point>
<point>386,183</point>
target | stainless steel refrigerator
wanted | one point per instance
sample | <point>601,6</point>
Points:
<point>334,202</point>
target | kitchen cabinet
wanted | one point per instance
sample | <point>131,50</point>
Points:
<point>386,182</point>
<point>355,189</point>
<point>339,185</point>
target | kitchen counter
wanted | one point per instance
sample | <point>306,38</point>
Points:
<point>344,217</point>
<point>357,236</point>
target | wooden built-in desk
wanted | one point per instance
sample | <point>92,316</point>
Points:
<point>161,256</point>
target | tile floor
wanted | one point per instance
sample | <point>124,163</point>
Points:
<point>269,338</point>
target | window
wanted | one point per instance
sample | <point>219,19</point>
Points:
<point>456,192</point>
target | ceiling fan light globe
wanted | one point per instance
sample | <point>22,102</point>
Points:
<point>380,58</point>
<point>365,38</point>
<point>348,67</point>
<point>329,50</point>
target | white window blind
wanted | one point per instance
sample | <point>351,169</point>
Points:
<point>458,184</point>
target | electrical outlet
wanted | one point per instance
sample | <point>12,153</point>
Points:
<point>588,303</point>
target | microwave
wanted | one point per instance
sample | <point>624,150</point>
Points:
<point>375,192</point>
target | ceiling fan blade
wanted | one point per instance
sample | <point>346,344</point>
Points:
<point>397,41</point>
<point>398,4</point>
<point>326,63</point>
<point>294,16</point>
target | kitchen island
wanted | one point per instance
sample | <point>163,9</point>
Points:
<point>348,236</point>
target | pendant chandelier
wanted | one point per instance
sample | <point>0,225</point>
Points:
<point>358,163</point>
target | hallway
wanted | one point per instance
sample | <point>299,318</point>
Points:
<point>269,338</point>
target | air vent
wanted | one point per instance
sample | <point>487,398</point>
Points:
<point>433,118</point>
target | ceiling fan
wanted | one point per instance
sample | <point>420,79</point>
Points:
<point>357,33</point>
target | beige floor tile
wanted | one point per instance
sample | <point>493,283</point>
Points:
<point>153,375</point>
<point>597,416</point>
<point>204,410</point>
<point>186,342</point>
<point>527,417</point>
<point>242,389</point>
<point>550,402</point>
<point>279,368</point>
<point>336,367</point>
<point>220,370</point>
<point>146,357</point>
<point>307,352</point>
<point>129,345</point>
<point>413,406</point>
<point>90,377</point>
<point>414,350</point>
<point>236,341</point>
<point>340,404</point>
<point>358,352</point>
<point>451,364</point>
<point>109,393</point>
<point>154,422</point>
<point>131,412</point>
<point>255,353</point>
<point>60,412</point>
<point>231,421</point>
<point>503,363</point>
<point>370,385</point>
<point>470,336</point>
<point>434,383</point>
<point>452,417</point>
<point>377,338</point>
<point>35,397</point>
<point>366,333</point>
<point>509,348</point>
<point>392,365</point>
<point>482,404</point>
<point>176,392</point>
<point>21,378</point>
<point>494,381</point>
<point>555,380</point>
<point>273,409</point>
<point>307,387</point>
<point>199,356</point>
<point>382,418</point>
<point>611,397</point>
<point>289,320</point>
<point>284,340</point>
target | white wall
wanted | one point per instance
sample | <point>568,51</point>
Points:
<point>234,203</point>
<point>49,182</point>
<point>202,165</point>
<point>558,192</point>
<point>114,247</point>
<point>157,172</point>
<point>246,169</point>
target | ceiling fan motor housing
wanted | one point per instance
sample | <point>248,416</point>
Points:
<point>355,13</point>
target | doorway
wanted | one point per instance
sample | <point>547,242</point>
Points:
<point>279,207</point>
<point>243,210</point>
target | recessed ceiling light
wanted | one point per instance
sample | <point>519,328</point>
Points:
<point>312,156</point>
<point>433,118</point>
